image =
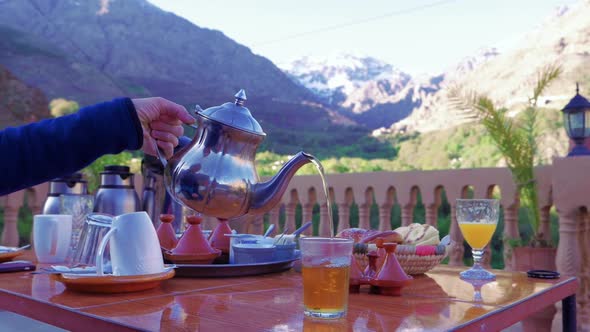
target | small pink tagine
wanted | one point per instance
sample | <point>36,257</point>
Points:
<point>192,247</point>
<point>387,279</point>
<point>166,233</point>
<point>218,239</point>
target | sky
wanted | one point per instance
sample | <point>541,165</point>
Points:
<point>417,36</point>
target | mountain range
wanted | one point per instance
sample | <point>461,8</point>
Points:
<point>563,39</point>
<point>393,102</point>
<point>95,50</point>
<point>370,91</point>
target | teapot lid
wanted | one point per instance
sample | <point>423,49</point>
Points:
<point>235,115</point>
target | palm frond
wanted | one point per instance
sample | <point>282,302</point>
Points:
<point>544,79</point>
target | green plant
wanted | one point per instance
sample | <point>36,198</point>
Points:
<point>515,137</point>
<point>60,107</point>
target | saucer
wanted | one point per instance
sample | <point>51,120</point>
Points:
<point>6,256</point>
<point>92,283</point>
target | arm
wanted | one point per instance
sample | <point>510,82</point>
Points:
<point>41,151</point>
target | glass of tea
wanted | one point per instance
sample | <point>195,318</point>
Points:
<point>477,219</point>
<point>325,269</point>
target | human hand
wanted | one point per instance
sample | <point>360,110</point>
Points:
<point>161,120</point>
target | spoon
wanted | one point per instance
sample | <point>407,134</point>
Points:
<point>278,241</point>
<point>445,241</point>
<point>269,230</point>
<point>12,249</point>
<point>302,229</point>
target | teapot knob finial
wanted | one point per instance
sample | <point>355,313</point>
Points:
<point>240,97</point>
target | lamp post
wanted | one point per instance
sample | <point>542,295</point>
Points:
<point>576,119</point>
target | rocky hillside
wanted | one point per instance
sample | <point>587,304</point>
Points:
<point>421,104</point>
<point>563,39</point>
<point>138,48</point>
<point>19,102</point>
<point>94,50</point>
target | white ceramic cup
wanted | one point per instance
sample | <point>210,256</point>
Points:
<point>52,234</point>
<point>134,246</point>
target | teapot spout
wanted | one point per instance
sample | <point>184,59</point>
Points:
<point>266,195</point>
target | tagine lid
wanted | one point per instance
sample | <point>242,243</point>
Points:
<point>165,232</point>
<point>193,241</point>
<point>391,271</point>
<point>234,115</point>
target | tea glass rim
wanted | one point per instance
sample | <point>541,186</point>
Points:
<point>478,199</point>
<point>324,240</point>
<point>51,215</point>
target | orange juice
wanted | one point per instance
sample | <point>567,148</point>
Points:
<point>477,235</point>
<point>325,289</point>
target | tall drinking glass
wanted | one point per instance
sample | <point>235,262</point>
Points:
<point>78,206</point>
<point>477,219</point>
<point>325,269</point>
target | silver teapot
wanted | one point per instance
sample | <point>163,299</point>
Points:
<point>215,173</point>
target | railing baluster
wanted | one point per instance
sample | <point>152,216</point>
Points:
<point>385,217</point>
<point>324,229</point>
<point>545,226</point>
<point>364,221</point>
<point>307,216</point>
<point>12,205</point>
<point>273,219</point>
<point>343,216</point>
<point>256,226</point>
<point>431,214</point>
<point>407,214</point>
<point>290,216</point>
<point>510,233</point>
<point>457,250</point>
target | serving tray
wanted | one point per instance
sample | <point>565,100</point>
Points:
<point>231,270</point>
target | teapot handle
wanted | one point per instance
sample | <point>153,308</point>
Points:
<point>159,151</point>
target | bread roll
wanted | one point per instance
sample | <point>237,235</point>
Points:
<point>360,235</point>
<point>387,236</point>
<point>419,234</point>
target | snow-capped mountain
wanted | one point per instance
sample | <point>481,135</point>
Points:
<point>335,78</point>
<point>469,63</point>
<point>372,92</point>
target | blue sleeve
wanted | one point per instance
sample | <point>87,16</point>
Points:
<point>41,151</point>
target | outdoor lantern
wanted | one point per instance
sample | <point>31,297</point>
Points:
<point>576,119</point>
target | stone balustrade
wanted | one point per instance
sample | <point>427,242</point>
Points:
<point>562,185</point>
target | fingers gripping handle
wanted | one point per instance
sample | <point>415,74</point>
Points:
<point>159,151</point>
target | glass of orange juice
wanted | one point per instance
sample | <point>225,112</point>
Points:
<point>325,268</point>
<point>477,219</point>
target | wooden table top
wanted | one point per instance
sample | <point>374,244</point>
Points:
<point>274,302</point>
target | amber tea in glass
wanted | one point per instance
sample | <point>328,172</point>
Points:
<point>325,270</point>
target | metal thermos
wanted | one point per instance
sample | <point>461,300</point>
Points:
<point>148,198</point>
<point>116,194</point>
<point>155,197</point>
<point>73,184</point>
